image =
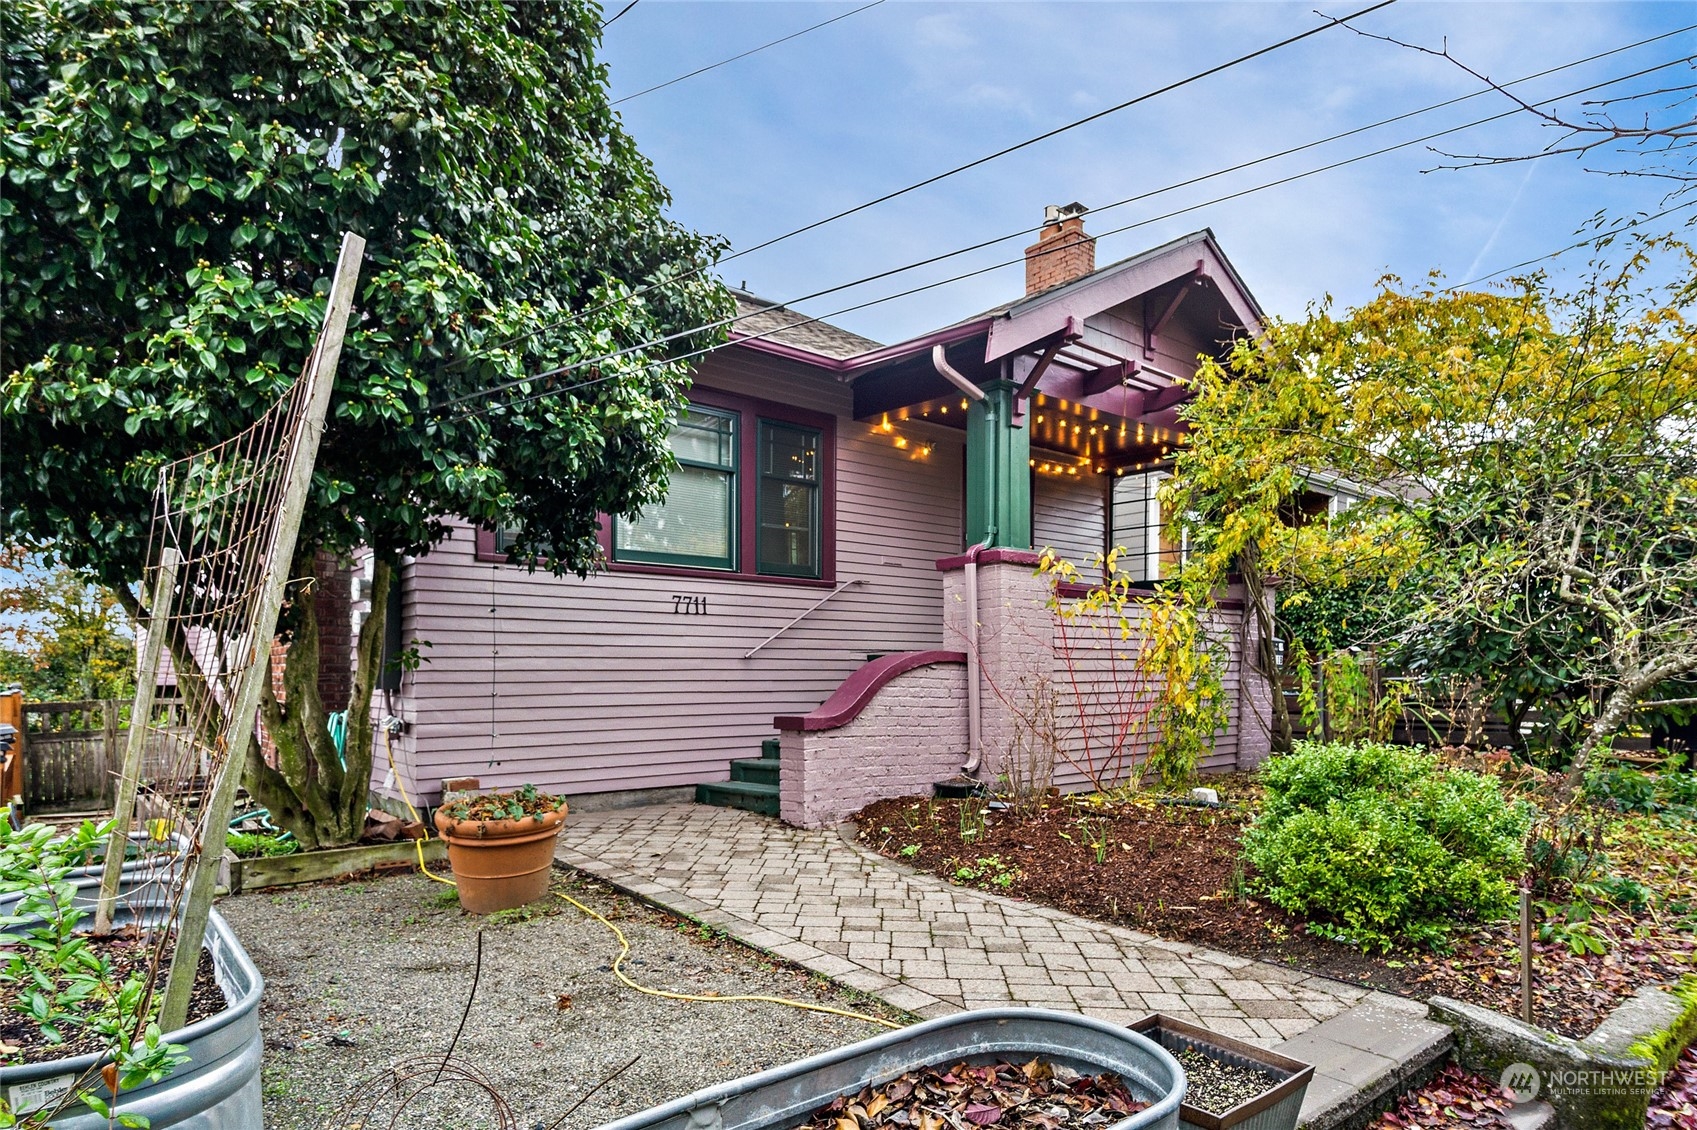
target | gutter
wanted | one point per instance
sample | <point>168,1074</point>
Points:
<point>974,698</point>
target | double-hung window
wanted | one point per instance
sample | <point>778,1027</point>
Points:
<point>697,523</point>
<point>751,496</point>
<point>787,501</point>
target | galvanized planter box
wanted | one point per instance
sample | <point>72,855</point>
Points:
<point>784,1097</point>
<point>217,1089</point>
<point>148,878</point>
<point>1276,1108</point>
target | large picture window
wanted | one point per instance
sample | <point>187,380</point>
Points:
<point>697,523</point>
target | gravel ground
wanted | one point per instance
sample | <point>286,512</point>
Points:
<point>361,975</point>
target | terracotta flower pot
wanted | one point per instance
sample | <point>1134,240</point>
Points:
<point>500,864</point>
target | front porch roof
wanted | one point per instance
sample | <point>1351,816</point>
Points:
<point>1089,351</point>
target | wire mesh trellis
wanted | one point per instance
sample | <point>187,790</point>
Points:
<point>222,538</point>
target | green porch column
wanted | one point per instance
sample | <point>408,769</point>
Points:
<point>998,471</point>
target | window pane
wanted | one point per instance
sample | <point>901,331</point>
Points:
<point>696,524</point>
<point>693,525</point>
<point>789,453</point>
<point>704,437</point>
<point>788,503</point>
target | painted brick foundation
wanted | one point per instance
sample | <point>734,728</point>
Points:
<point>909,735</point>
<point>899,725</point>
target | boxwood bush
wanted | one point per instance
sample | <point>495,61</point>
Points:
<point>1377,844</point>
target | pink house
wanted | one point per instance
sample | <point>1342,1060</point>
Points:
<point>807,587</point>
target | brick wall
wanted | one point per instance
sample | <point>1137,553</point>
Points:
<point>909,737</point>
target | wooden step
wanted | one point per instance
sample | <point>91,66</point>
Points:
<point>739,794</point>
<point>769,749</point>
<point>755,770</point>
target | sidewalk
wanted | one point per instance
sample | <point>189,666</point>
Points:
<point>923,945</point>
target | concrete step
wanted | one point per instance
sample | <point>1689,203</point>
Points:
<point>755,770</point>
<point>739,794</point>
<point>769,748</point>
<point>1365,1057</point>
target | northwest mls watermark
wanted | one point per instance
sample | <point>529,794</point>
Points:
<point>1523,1083</point>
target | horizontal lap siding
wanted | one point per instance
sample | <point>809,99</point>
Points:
<point>595,685</point>
<point>1096,676</point>
<point>1070,516</point>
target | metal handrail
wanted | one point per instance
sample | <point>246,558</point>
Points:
<point>810,610</point>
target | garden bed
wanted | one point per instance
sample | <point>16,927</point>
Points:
<point>1176,871</point>
<point>129,952</point>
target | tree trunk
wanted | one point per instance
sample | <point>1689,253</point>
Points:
<point>319,795</point>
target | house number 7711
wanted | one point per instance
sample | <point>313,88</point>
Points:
<point>686,605</point>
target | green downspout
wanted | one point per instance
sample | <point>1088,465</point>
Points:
<point>998,471</point>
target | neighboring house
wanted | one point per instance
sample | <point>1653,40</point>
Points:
<point>822,480</point>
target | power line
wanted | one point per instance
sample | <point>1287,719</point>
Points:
<point>619,13</point>
<point>1591,242</point>
<point>573,366</point>
<point>745,54</point>
<point>696,272</point>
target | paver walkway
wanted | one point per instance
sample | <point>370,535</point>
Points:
<point>923,945</point>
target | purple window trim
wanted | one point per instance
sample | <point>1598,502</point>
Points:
<point>858,690</point>
<point>750,411</point>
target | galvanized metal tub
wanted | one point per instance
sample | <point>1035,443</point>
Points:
<point>145,880</point>
<point>217,1089</point>
<point>784,1097</point>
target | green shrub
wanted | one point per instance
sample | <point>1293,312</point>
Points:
<point>1379,845</point>
<point>252,845</point>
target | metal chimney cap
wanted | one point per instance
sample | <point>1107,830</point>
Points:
<point>1055,213</point>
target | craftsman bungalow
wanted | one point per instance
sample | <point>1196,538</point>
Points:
<point>800,574</point>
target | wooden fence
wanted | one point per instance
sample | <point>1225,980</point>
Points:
<point>73,752</point>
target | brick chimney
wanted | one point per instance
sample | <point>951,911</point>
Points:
<point>1062,251</point>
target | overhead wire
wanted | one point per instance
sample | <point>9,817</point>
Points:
<point>620,12</point>
<point>1200,178</point>
<point>573,316</point>
<point>810,320</point>
<point>745,54</point>
<point>1588,242</point>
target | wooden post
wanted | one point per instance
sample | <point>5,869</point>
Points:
<point>1526,955</point>
<point>111,760</point>
<point>135,748</point>
<point>238,729</point>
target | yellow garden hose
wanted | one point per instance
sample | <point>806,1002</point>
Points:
<point>418,844</point>
<point>624,952</point>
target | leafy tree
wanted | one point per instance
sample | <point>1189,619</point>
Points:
<point>177,175</point>
<point>1536,455</point>
<point>66,638</point>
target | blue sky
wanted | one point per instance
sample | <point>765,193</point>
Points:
<point>907,89</point>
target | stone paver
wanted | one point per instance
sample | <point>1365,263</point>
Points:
<point>921,944</point>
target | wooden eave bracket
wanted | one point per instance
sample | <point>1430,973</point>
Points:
<point>1152,329</point>
<point>1054,344</point>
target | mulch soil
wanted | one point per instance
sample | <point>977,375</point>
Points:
<point>1674,1105</point>
<point>1032,1096</point>
<point>1453,1098</point>
<point>128,952</point>
<point>1175,871</point>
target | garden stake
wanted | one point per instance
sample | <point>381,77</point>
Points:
<point>1526,955</point>
<point>589,1094</point>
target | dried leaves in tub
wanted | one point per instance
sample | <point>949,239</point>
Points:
<point>1031,1096</point>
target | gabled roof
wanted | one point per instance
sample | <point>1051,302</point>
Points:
<point>1010,327</point>
<point>771,321</point>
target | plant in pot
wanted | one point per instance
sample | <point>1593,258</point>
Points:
<point>69,994</point>
<point>501,846</point>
